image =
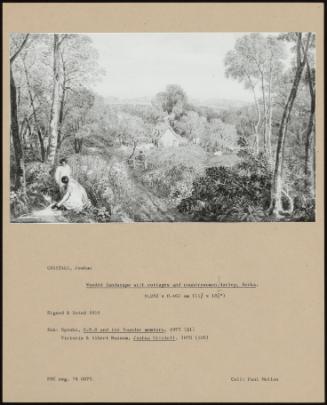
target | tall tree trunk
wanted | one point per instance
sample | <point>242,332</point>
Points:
<point>30,132</point>
<point>132,154</point>
<point>265,147</point>
<point>25,139</point>
<point>269,121</point>
<point>41,142</point>
<point>276,207</point>
<point>18,150</point>
<point>309,140</point>
<point>22,131</point>
<point>14,127</point>
<point>61,115</point>
<point>256,126</point>
<point>78,141</point>
<point>54,114</point>
<point>37,126</point>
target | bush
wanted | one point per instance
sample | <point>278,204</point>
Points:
<point>241,193</point>
<point>172,171</point>
<point>89,215</point>
<point>107,184</point>
<point>40,190</point>
<point>40,180</point>
<point>18,203</point>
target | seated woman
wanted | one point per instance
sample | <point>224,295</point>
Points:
<point>75,197</point>
<point>62,170</point>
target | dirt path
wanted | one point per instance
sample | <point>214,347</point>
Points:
<point>150,207</point>
<point>146,206</point>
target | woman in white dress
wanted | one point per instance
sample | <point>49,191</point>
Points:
<point>62,170</point>
<point>75,197</point>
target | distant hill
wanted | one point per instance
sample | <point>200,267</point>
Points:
<point>133,101</point>
<point>220,103</point>
<point>216,103</point>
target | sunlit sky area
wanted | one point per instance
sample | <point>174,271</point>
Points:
<point>142,64</point>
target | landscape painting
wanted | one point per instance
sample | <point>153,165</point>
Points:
<point>162,127</point>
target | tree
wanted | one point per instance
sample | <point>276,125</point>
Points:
<point>219,136</point>
<point>77,118</point>
<point>79,67</point>
<point>309,139</point>
<point>76,68</point>
<point>271,73</point>
<point>18,150</point>
<point>239,65</point>
<point>192,126</point>
<point>256,61</point>
<point>173,101</point>
<point>34,114</point>
<point>276,206</point>
<point>33,78</point>
<point>54,114</point>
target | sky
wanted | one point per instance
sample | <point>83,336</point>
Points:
<point>143,64</point>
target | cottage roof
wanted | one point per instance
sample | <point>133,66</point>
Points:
<point>169,132</point>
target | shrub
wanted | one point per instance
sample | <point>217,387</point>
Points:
<point>18,203</point>
<point>89,215</point>
<point>241,193</point>
<point>172,171</point>
<point>107,184</point>
<point>40,190</point>
<point>40,181</point>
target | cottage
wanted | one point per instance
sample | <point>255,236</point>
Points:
<point>169,138</point>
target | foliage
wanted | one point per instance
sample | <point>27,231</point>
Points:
<point>40,180</point>
<point>220,136</point>
<point>39,191</point>
<point>18,203</point>
<point>107,185</point>
<point>78,69</point>
<point>254,54</point>
<point>240,193</point>
<point>89,215</point>
<point>191,125</point>
<point>233,187</point>
<point>172,101</point>
<point>171,172</point>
